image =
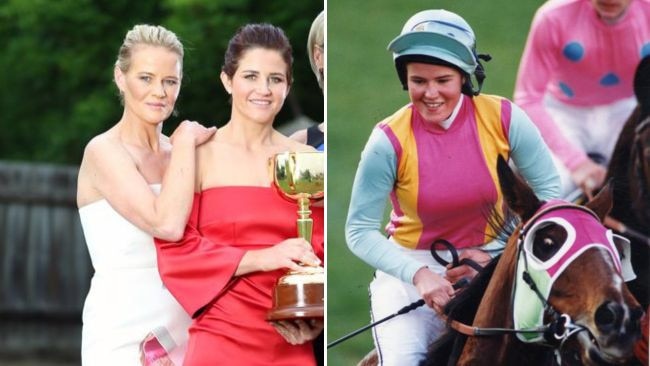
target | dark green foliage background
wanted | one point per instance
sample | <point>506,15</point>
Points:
<point>57,57</point>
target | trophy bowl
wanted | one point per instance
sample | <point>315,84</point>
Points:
<point>300,178</point>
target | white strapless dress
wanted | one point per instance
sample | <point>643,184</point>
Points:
<point>127,299</point>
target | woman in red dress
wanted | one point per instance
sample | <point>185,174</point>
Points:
<point>241,236</point>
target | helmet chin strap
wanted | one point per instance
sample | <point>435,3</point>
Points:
<point>479,73</point>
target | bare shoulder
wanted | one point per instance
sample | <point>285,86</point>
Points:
<point>101,155</point>
<point>300,136</point>
<point>208,156</point>
<point>165,142</point>
<point>208,148</point>
<point>294,145</point>
<point>105,152</point>
<point>94,150</point>
<point>100,145</point>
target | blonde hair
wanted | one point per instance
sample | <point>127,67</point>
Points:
<point>152,35</point>
<point>316,38</point>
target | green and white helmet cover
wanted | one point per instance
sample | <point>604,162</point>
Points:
<point>440,34</point>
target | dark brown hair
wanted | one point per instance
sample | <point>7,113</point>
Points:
<point>251,36</point>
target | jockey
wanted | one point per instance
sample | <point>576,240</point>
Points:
<point>575,80</point>
<point>436,160</point>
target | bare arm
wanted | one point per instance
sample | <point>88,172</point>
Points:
<point>110,171</point>
<point>286,254</point>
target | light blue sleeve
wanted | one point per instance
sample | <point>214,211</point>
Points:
<point>374,180</point>
<point>532,156</point>
<point>533,160</point>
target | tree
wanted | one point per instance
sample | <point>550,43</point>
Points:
<point>58,59</point>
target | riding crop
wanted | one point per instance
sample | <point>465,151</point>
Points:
<point>412,306</point>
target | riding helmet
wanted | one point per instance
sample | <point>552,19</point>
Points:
<point>438,37</point>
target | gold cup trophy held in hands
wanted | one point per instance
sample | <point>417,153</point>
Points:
<point>299,177</point>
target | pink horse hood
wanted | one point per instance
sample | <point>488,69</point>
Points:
<point>584,231</point>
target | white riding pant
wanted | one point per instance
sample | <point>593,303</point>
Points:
<point>404,339</point>
<point>594,129</point>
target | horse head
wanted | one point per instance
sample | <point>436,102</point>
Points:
<point>574,262</point>
<point>559,282</point>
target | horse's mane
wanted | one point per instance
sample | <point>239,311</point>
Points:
<point>463,307</point>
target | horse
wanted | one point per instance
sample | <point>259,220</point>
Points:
<point>629,169</point>
<point>556,294</point>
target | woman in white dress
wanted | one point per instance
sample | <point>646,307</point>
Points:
<point>135,183</point>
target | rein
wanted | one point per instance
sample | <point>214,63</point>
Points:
<point>561,327</point>
<point>454,256</point>
<point>556,333</point>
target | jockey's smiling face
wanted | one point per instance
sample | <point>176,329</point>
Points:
<point>434,90</point>
<point>610,11</point>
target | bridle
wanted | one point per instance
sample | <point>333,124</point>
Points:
<point>555,333</point>
<point>559,328</point>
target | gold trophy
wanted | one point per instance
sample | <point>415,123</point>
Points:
<point>299,177</point>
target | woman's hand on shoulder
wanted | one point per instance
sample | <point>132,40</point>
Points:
<point>299,331</point>
<point>192,131</point>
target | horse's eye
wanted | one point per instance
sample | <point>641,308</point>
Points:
<point>548,240</point>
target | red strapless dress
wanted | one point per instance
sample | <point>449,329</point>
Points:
<point>229,326</point>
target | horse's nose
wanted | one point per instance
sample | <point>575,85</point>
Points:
<point>618,325</point>
<point>610,319</point>
<point>609,316</point>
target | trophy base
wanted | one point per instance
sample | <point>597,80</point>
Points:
<point>298,296</point>
<point>295,313</point>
